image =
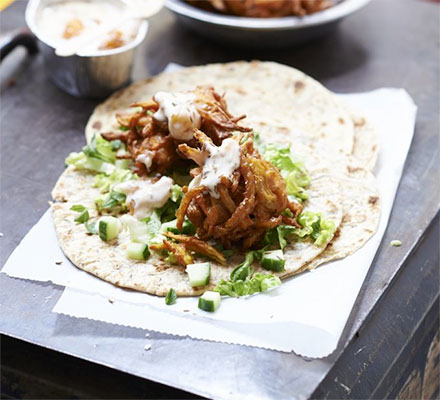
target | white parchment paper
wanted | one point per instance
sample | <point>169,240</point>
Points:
<point>307,314</point>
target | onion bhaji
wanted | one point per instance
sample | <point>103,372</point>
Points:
<point>145,135</point>
<point>250,203</point>
<point>252,200</point>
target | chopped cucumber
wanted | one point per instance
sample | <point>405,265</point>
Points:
<point>209,301</point>
<point>170,227</point>
<point>273,260</point>
<point>137,251</point>
<point>108,228</point>
<point>198,274</point>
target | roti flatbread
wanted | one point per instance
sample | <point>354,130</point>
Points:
<point>270,94</point>
<point>284,106</point>
<point>109,262</point>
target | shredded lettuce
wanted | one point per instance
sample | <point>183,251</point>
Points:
<point>113,203</point>
<point>153,227</point>
<point>244,282</point>
<point>104,182</point>
<point>99,156</point>
<point>294,173</point>
<point>244,270</point>
<point>81,161</point>
<point>123,163</point>
<point>168,211</point>
<point>313,225</point>
<point>100,149</point>
<point>144,231</point>
<point>293,186</point>
<point>257,283</point>
<point>317,227</point>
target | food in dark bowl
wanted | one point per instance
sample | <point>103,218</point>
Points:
<point>263,24</point>
<point>263,8</point>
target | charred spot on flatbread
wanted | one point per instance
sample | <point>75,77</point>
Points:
<point>97,125</point>
<point>373,200</point>
<point>299,85</point>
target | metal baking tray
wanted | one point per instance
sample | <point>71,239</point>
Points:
<point>37,133</point>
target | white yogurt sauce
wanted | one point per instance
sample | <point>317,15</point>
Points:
<point>146,158</point>
<point>53,20</point>
<point>180,112</point>
<point>222,161</point>
<point>146,196</point>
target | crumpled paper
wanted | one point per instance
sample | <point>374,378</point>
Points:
<point>307,314</point>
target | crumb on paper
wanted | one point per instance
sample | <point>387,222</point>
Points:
<point>395,243</point>
<point>34,295</point>
<point>11,82</point>
<point>1,234</point>
<point>147,335</point>
<point>58,262</point>
<point>147,347</point>
<point>345,387</point>
<point>111,301</point>
<point>359,350</point>
<point>95,345</point>
<point>185,310</point>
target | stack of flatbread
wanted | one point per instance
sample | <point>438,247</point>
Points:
<point>338,147</point>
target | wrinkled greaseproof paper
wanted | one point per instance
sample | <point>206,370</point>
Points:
<point>307,314</point>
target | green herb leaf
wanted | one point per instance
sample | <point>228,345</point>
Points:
<point>78,208</point>
<point>170,297</point>
<point>84,213</point>
<point>124,128</point>
<point>83,217</point>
